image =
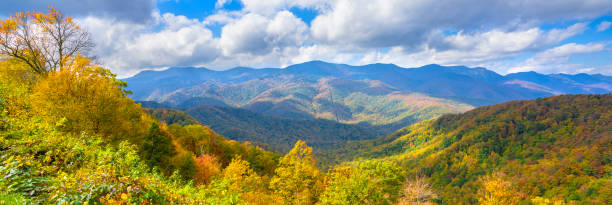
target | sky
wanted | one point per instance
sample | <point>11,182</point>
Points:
<point>556,36</point>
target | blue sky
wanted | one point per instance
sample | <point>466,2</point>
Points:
<point>563,36</point>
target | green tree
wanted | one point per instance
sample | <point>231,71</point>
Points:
<point>156,150</point>
<point>369,182</point>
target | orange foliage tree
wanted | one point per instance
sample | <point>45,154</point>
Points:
<point>207,167</point>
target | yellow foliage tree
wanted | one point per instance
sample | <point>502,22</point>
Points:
<point>544,201</point>
<point>45,42</point>
<point>91,100</point>
<point>297,178</point>
<point>497,191</point>
<point>242,179</point>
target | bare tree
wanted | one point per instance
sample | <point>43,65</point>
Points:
<point>45,42</point>
<point>417,191</point>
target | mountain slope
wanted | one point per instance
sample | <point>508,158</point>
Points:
<point>557,148</point>
<point>279,133</point>
<point>172,116</point>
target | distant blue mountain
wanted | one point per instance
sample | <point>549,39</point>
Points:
<point>475,86</point>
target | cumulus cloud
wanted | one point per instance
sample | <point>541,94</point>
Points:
<point>397,22</point>
<point>407,33</point>
<point>554,59</point>
<point>604,25</point>
<point>132,10</point>
<point>256,34</point>
<point>495,44</point>
<point>252,39</point>
<point>475,49</point>
<point>221,3</point>
<point>128,47</point>
<point>270,7</point>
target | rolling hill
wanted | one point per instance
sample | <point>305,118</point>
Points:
<point>555,148</point>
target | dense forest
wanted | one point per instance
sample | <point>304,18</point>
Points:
<point>69,134</point>
<point>554,149</point>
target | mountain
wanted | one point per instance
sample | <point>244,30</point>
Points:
<point>376,94</point>
<point>555,148</point>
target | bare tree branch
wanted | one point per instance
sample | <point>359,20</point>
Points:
<point>45,42</point>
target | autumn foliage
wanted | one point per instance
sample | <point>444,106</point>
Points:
<point>69,134</point>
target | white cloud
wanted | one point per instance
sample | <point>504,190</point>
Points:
<point>221,3</point>
<point>408,23</point>
<point>127,47</point>
<point>256,34</point>
<point>267,7</point>
<point>270,7</point>
<point>474,49</point>
<point>407,33</point>
<point>604,25</point>
<point>555,59</point>
<point>571,48</point>
<point>223,17</point>
<point>244,35</point>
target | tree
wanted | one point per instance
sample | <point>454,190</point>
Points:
<point>417,191</point>
<point>45,42</point>
<point>185,165</point>
<point>368,182</point>
<point>496,190</point>
<point>157,148</point>
<point>297,176</point>
<point>91,100</point>
<point>207,167</point>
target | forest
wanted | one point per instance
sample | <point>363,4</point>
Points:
<point>70,134</point>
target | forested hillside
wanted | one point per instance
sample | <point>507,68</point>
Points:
<point>279,133</point>
<point>172,116</point>
<point>555,149</point>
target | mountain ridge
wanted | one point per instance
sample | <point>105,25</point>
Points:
<point>374,94</point>
<point>356,72</point>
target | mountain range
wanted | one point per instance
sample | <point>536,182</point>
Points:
<point>474,86</point>
<point>380,98</point>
